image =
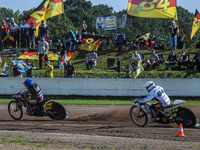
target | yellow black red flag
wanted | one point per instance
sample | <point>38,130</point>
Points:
<point>90,42</point>
<point>196,24</point>
<point>46,10</point>
<point>152,8</point>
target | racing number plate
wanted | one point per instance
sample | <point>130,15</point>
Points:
<point>49,106</point>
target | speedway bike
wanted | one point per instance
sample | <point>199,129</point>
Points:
<point>52,109</point>
<point>170,114</point>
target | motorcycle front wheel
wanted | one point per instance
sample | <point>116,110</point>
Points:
<point>57,112</point>
<point>15,110</point>
<point>187,116</point>
<point>138,117</point>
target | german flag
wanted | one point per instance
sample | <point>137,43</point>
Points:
<point>90,42</point>
<point>196,23</point>
<point>152,8</point>
<point>46,10</point>
<point>52,56</point>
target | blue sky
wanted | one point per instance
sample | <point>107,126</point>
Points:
<point>190,5</point>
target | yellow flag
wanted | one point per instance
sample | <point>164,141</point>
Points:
<point>46,10</point>
<point>139,69</point>
<point>152,9</point>
<point>196,24</point>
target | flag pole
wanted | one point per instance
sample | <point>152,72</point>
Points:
<point>185,35</point>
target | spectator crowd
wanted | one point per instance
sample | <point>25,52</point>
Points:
<point>26,36</point>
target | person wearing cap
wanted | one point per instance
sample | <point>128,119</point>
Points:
<point>4,31</point>
<point>49,70</point>
<point>172,60</point>
<point>43,30</point>
<point>29,73</point>
<point>153,60</point>
<point>24,33</point>
<point>12,21</point>
<point>31,32</point>
<point>43,49</point>
<point>91,59</point>
<point>173,30</point>
<point>184,60</point>
<point>195,61</point>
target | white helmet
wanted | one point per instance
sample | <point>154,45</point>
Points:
<point>149,85</point>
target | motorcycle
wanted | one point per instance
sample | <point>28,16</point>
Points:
<point>52,109</point>
<point>169,114</point>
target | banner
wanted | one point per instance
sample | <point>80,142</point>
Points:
<point>22,66</point>
<point>196,24</point>
<point>111,23</point>
<point>90,42</point>
<point>139,69</point>
<point>46,10</point>
<point>152,8</point>
<point>6,69</point>
<point>52,56</point>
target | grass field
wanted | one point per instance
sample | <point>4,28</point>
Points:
<point>104,102</point>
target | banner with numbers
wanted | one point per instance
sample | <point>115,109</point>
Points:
<point>152,8</point>
<point>90,42</point>
<point>111,22</point>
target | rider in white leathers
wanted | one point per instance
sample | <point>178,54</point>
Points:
<point>158,93</point>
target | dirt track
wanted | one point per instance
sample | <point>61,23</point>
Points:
<point>92,127</point>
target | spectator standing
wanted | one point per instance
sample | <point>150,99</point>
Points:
<point>4,31</point>
<point>172,60</point>
<point>78,37</point>
<point>83,28</point>
<point>135,58</point>
<point>10,24</point>
<point>139,41</point>
<point>24,33</point>
<point>29,73</point>
<point>69,41</point>
<point>196,61</point>
<point>31,32</point>
<point>43,49</point>
<point>151,42</point>
<point>69,71</point>
<point>173,30</point>
<point>184,60</point>
<point>14,32</point>
<point>43,30</point>
<point>153,60</point>
<point>49,70</point>
<point>61,51</point>
<point>91,59</point>
<point>15,70</point>
<point>100,24</point>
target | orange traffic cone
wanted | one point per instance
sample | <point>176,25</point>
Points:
<point>180,132</point>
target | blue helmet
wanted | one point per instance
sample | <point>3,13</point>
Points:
<point>28,82</point>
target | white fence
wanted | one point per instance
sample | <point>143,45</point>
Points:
<point>102,87</point>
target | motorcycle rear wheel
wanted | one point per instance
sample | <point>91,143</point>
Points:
<point>57,112</point>
<point>15,110</point>
<point>138,117</point>
<point>188,117</point>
